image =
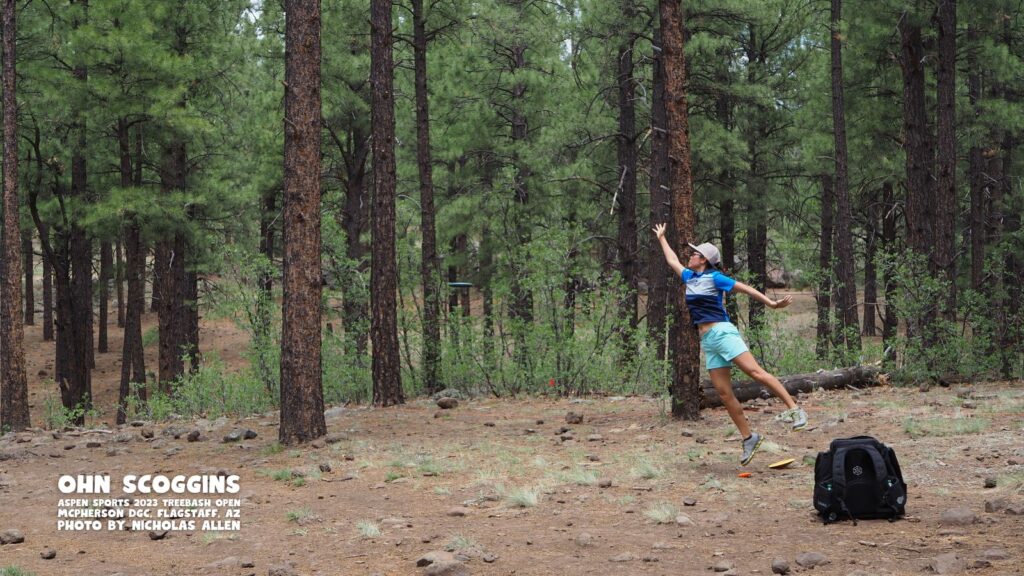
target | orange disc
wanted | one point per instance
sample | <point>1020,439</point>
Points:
<point>745,474</point>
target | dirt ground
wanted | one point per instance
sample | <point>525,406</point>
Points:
<point>504,486</point>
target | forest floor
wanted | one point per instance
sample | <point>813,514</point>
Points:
<point>509,487</point>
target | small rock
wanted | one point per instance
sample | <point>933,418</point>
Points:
<point>811,559</point>
<point>722,566</point>
<point>1015,509</point>
<point>93,444</point>
<point>573,418</point>
<point>981,563</point>
<point>433,557</point>
<point>624,557</point>
<point>997,505</point>
<point>604,484</point>
<point>233,436</point>
<point>447,403</point>
<point>650,559</point>
<point>595,438</point>
<point>947,564</point>
<point>489,558</point>
<point>584,539</point>
<point>147,433</point>
<point>193,436</point>
<point>565,437</point>
<point>687,433</point>
<point>958,517</point>
<point>249,434</point>
<point>593,457</point>
<point>157,535</point>
<point>247,564</point>
<point>137,423</point>
<point>325,467</point>
<point>489,424</point>
<point>780,566</point>
<point>684,520</point>
<point>995,554</point>
<point>317,444</point>
<point>225,563</point>
<point>48,554</point>
<point>282,570</point>
<point>458,511</point>
<point>11,536</point>
<point>335,437</point>
<point>990,482</point>
<point>447,568</point>
<point>689,501</point>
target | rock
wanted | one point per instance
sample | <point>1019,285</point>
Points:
<point>948,564</point>
<point>584,540</point>
<point>11,536</point>
<point>147,433</point>
<point>137,423</point>
<point>489,424</point>
<point>566,436</point>
<point>997,505</point>
<point>811,559</point>
<point>193,436</point>
<point>317,444</point>
<point>687,433</point>
<point>684,520</point>
<point>335,437</point>
<point>723,566</point>
<point>593,457</point>
<point>249,434</point>
<point>990,482</point>
<point>225,563</point>
<point>449,393</point>
<point>157,535</point>
<point>447,403</point>
<point>1015,509</point>
<point>233,436</point>
<point>287,569</point>
<point>489,558</point>
<point>595,438</point>
<point>93,444</point>
<point>624,557</point>
<point>447,568</point>
<point>780,566</point>
<point>325,467</point>
<point>958,517</point>
<point>573,418</point>
<point>995,554</point>
<point>433,557</point>
<point>247,563</point>
<point>48,554</point>
<point>334,412</point>
<point>175,431</point>
<point>458,511</point>
<point>689,501</point>
<point>604,484</point>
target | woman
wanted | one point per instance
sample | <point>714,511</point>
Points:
<point>722,343</point>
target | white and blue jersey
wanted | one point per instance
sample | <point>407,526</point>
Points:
<point>704,295</point>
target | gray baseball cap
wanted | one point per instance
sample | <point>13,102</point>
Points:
<point>708,251</point>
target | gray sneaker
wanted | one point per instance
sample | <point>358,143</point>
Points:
<point>795,415</point>
<point>750,446</point>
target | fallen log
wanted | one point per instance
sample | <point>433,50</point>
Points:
<point>856,376</point>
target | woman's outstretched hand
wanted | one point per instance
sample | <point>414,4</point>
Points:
<point>786,301</point>
<point>659,230</point>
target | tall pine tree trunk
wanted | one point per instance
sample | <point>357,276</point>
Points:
<point>169,273</point>
<point>106,264</point>
<point>846,289</point>
<point>920,158</point>
<point>14,411</point>
<point>889,324</point>
<point>870,270</point>
<point>302,396</point>
<point>823,297</point>
<point>627,160</point>
<point>119,279</point>
<point>429,265</point>
<point>81,266</point>
<point>659,291</point>
<point>945,192</point>
<point>47,292</point>
<point>133,362</point>
<point>28,253</point>
<point>387,381</point>
<point>686,390</point>
<point>978,178</point>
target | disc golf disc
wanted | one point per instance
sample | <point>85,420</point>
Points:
<point>781,463</point>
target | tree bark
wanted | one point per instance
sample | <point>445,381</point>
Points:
<point>870,270</point>
<point>823,297</point>
<point>429,271</point>
<point>354,219</point>
<point>28,253</point>
<point>119,279</point>
<point>659,293</point>
<point>889,284</point>
<point>302,397</point>
<point>977,177</point>
<point>387,380</point>
<point>846,283</point>
<point>627,161</point>
<point>856,376</point>
<point>106,263</point>
<point>81,319</point>
<point>945,193</point>
<point>920,213</point>
<point>169,274</point>
<point>14,410</point>
<point>685,388</point>
<point>47,292</point>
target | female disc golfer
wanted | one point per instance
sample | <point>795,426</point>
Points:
<point>722,343</point>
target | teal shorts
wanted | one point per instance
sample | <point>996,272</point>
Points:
<point>722,343</point>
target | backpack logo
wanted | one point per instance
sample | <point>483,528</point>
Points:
<point>858,471</point>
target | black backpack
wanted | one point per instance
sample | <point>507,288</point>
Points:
<point>858,477</point>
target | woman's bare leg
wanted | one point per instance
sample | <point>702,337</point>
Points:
<point>750,367</point>
<point>722,379</point>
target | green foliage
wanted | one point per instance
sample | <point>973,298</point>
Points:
<point>211,391</point>
<point>15,571</point>
<point>58,417</point>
